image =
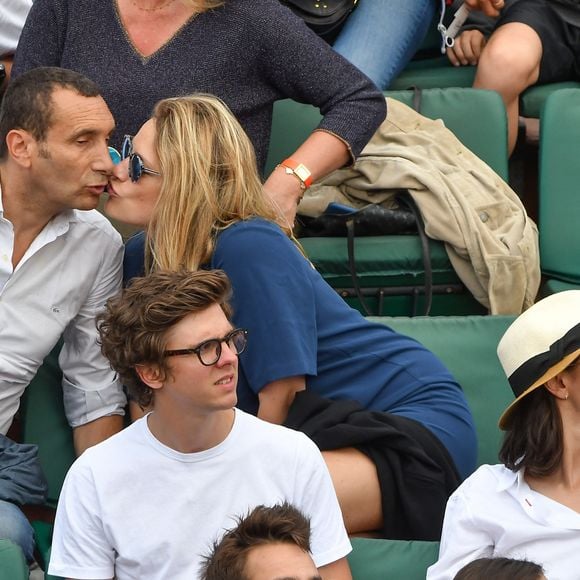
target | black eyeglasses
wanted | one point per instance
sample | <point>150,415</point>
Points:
<point>209,351</point>
<point>136,166</point>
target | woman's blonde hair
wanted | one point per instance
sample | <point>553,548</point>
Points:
<point>210,181</point>
<point>204,5</point>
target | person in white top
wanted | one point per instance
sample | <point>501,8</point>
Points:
<point>60,260</point>
<point>149,502</point>
<point>12,18</point>
<point>529,506</point>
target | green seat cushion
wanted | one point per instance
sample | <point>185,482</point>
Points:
<point>434,73</point>
<point>559,205</point>
<point>12,562</point>
<point>379,262</point>
<point>391,269</point>
<point>552,286</point>
<point>372,559</point>
<point>45,424</point>
<point>467,345</point>
<point>532,101</point>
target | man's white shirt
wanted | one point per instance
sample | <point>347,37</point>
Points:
<point>64,279</point>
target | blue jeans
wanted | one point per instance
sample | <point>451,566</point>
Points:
<point>15,527</point>
<point>381,36</point>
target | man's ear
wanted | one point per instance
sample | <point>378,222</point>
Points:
<point>20,145</point>
<point>151,375</point>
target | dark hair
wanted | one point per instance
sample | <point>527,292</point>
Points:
<point>133,326</point>
<point>500,569</point>
<point>534,440</point>
<point>27,103</point>
<point>263,525</point>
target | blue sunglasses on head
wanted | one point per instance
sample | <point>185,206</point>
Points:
<point>136,166</point>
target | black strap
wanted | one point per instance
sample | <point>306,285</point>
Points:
<point>352,265</point>
<point>407,200</point>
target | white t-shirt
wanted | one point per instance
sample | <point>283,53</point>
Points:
<point>12,17</point>
<point>135,509</point>
<point>495,513</point>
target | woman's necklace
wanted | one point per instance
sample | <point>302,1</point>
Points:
<point>164,5</point>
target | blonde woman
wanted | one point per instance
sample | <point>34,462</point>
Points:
<point>250,53</point>
<point>189,178</point>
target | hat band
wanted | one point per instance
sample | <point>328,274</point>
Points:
<point>534,368</point>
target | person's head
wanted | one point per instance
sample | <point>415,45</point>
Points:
<point>169,334</point>
<point>270,543</point>
<point>54,129</point>
<point>539,353</point>
<point>500,569</point>
<point>208,180</point>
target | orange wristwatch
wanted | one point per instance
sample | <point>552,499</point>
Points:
<point>299,170</point>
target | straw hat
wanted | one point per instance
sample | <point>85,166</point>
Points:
<point>539,344</point>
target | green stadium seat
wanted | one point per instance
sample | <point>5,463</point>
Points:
<point>391,271</point>
<point>372,559</point>
<point>13,565</point>
<point>559,193</point>
<point>44,424</point>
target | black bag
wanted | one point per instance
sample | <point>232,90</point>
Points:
<point>372,220</point>
<point>323,17</point>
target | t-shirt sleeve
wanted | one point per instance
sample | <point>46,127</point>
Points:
<point>462,540</point>
<point>272,298</point>
<point>305,68</point>
<point>42,37</point>
<point>80,548</point>
<point>316,498</point>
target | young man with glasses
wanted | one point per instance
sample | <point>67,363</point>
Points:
<point>151,501</point>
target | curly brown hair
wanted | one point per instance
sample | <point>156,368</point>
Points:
<point>263,525</point>
<point>134,325</point>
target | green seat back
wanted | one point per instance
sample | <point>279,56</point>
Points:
<point>45,424</point>
<point>391,265</point>
<point>12,562</point>
<point>391,559</point>
<point>485,132</point>
<point>559,187</point>
<point>533,100</point>
<point>467,345</point>
<point>434,73</point>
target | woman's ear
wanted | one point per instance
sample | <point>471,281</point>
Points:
<point>151,375</point>
<point>558,386</point>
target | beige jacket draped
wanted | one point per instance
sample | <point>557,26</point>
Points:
<point>490,240</point>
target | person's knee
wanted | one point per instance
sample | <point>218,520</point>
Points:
<point>511,57</point>
<point>15,527</point>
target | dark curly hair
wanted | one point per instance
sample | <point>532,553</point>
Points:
<point>134,325</point>
<point>263,525</point>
